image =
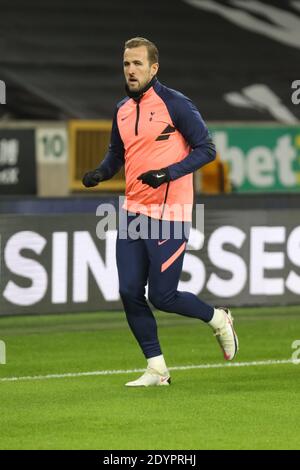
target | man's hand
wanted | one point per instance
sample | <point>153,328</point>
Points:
<point>92,178</point>
<point>155,178</point>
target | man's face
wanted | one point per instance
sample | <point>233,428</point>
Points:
<point>137,69</point>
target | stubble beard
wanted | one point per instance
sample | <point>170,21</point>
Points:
<point>140,85</point>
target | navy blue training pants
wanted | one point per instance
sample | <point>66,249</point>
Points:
<point>158,261</point>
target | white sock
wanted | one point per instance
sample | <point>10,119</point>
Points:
<point>158,363</point>
<point>218,320</point>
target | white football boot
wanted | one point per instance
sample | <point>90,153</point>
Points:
<point>151,378</point>
<point>222,324</point>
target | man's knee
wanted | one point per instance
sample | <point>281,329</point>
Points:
<point>162,300</point>
<point>132,292</point>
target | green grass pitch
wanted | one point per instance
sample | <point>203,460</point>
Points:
<point>255,407</point>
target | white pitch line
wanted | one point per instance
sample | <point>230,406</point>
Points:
<point>131,371</point>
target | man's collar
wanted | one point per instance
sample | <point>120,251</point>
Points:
<point>137,95</point>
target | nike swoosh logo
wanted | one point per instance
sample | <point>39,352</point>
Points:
<point>162,242</point>
<point>160,176</point>
<point>164,379</point>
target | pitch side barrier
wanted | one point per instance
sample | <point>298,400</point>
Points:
<point>52,260</point>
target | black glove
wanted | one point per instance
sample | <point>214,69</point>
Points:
<point>155,178</point>
<point>92,178</point>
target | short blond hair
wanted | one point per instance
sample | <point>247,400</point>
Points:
<point>153,54</point>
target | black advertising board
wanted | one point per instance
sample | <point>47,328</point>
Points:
<point>56,263</point>
<point>17,161</point>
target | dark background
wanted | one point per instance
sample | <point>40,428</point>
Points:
<point>63,59</point>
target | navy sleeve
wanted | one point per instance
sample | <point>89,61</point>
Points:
<point>114,158</point>
<point>190,124</point>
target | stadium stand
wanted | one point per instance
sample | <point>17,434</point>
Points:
<point>60,61</point>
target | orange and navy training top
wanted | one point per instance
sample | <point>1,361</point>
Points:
<point>162,128</point>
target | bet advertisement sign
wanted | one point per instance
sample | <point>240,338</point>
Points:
<point>261,158</point>
<point>56,263</point>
